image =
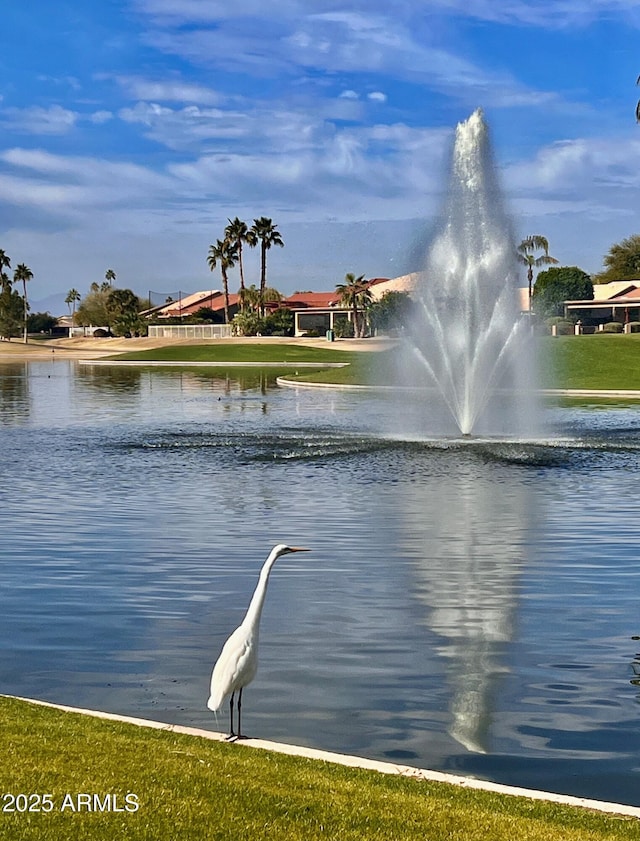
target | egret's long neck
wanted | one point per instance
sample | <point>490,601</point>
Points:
<point>254,610</point>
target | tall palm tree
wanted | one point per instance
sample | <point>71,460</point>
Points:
<point>73,296</point>
<point>226,254</point>
<point>354,292</point>
<point>238,233</point>
<point>110,276</point>
<point>23,273</point>
<point>526,255</point>
<point>5,263</point>
<point>268,234</point>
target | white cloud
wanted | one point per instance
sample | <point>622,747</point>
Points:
<point>168,90</point>
<point>277,127</point>
<point>39,193</point>
<point>377,96</point>
<point>101,117</point>
<point>71,184</point>
<point>37,120</point>
<point>582,167</point>
<point>184,128</point>
<point>364,40</point>
<point>62,81</point>
<point>547,14</point>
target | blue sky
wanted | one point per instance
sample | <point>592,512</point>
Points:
<point>131,130</point>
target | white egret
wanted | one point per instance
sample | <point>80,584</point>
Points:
<point>238,661</point>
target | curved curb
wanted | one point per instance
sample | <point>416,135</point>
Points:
<point>283,381</point>
<point>176,363</point>
<point>543,392</point>
<point>355,761</point>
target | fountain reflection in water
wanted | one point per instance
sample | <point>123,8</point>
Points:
<point>470,345</point>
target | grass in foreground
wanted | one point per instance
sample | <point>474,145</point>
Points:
<point>186,787</point>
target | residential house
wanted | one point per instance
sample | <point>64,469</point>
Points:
<point>618,300</point>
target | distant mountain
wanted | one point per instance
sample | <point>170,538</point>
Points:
<point>53,304</point>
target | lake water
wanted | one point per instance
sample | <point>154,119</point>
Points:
<point>468,607</point>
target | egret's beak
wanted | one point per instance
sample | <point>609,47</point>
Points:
<point>298,549</point>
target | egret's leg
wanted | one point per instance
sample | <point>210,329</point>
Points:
<point>231,732</point>
<point>239,708</point>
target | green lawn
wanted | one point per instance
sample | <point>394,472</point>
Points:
<point>601,361</point>
<point>607,362</point>
<point>217,353</point>
<point>185,787</point>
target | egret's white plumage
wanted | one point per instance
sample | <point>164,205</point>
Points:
<point>238,661</point>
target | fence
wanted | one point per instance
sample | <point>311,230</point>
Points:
<point>190,331</point>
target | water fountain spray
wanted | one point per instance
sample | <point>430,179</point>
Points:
<point>472,344</point>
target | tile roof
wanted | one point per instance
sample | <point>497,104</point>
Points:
<point>300,300</point>
<point>192,303</point>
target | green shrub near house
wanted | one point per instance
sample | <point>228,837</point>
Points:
<point>563,327</point>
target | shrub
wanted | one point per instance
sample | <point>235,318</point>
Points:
<point>279,323</point>
<point>343,329</point>
<point>563,327</point>
<point>613,327</point>
<point>247,324</point>
<point>634,326</point>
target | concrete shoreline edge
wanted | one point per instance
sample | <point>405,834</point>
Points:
<point>182,364</point>
<point>350,761</point>
<point>543,392</point>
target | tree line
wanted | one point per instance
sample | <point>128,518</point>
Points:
<point>118,310</point>
<point>14,307</point>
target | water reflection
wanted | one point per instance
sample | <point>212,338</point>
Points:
<point>138,384</point>
<point>232,380</point>
<point>98,379</point>
<point>635,667</point>
<point>14,393</point>
<point>469,531</point>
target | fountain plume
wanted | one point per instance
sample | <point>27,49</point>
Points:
<point>469,340</point>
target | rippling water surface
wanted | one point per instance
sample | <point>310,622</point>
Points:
<point>468,606</point>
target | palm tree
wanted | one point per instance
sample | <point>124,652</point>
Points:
<point>353,293</point>
<point>238,233</point>
<point>268,234</point>
<point>73,296</point>
<point>23,273</point>
<point>252,298</point>
<point>226,254</point>
<point>110,276</point>
<point>526,255</point>
<point>5,263</point>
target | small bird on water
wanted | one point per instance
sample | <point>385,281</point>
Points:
<point>238,661</point>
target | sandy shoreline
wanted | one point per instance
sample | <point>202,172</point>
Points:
<point>79,348</point>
